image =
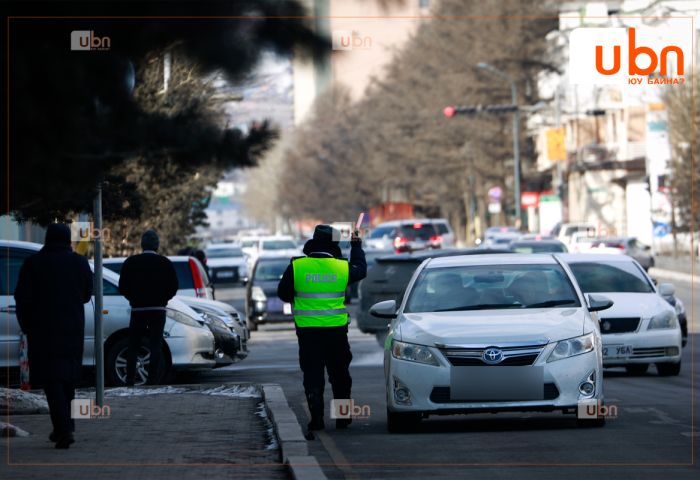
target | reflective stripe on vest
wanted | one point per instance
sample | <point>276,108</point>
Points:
<point>319,292</point>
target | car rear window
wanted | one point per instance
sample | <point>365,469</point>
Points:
<point>184,275</point>
<point>422,230</point>
<point>223,252</point>
<point>610,277</point>
<point>442,228</point>
<point>541,248</point>
<point>381,231</point>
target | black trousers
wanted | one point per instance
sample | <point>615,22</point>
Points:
<point>59,395</point>
<point>325,347</point>
<point>150,324</point>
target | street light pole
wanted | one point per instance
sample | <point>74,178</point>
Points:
<point>516,147</point>
<point>99,324</point>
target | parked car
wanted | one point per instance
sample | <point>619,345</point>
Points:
<point>642,327</point>
<point>388,279</point>
<point>412,235</point>
<point>262,305</point>
<point>188,342</point>
<point>371,255</point>
<point>625,246</point>
<point>568,229</point>
<point>192,278</point>
<point>497,333</point>
<point>537,246</point>
<point>227,263</point>
<point>272,246</point>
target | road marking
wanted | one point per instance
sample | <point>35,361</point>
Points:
<point>336,455</point>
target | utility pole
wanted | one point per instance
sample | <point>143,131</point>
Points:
<point>99,319</point>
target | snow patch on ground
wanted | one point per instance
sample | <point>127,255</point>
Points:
<point>224,391</point>
<point>19,399</point>
<point>12,430</point>
<point>270,428</point>
<point>234,391</point>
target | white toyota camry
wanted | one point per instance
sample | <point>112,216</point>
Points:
<point>491,333</point>
<point>642,327</point>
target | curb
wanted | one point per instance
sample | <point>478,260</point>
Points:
<point>293,447</point>
<point>673,275</point>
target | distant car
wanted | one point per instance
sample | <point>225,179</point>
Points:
<point>580,242</point>
<point>270,246</point>
<point>625,246</point>
<point>261,300</point>
<point>406,235</point>
<point>227,263</point>
<point>493,231</point>
<point>535,246</point>
<point>499,241</point>
<point>536,236</point>
<point>192,278</point>
<point>641,328</point>
<point>371,255</point>
<point>568,229</point>
<point>389,277</point>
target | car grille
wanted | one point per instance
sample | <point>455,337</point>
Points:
<point>618,325</point>
<point>512,356</point>
<point>648,352</point>
<point>442,394</point>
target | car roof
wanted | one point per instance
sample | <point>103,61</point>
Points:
<point>21,244</point>
<point>408,221</point>
<point>420,256</point>
<point>222,246</point>
<point>494,259</point>
<point>173,258</point>
<point>593,258</point>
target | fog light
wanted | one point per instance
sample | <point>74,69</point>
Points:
<point>219,353</point>
<point>586,388</point>
<point>672,351</point>
<point>401,394</point>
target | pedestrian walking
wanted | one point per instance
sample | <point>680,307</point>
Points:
<point>148,281</point>
<point>53,287</point>
<point>202,257</point>
<point>316,285</point>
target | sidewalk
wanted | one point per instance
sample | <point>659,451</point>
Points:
<point>211,431</point>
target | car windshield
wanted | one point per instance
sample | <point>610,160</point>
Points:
<point>268,270</point>
<point>278,244</point>
<point>482,287</point>
<point>539,248</point>
<point>224,252</point>
<point>610,277</point>
<point>379,232</point>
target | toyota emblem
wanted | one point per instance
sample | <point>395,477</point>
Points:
<point>492,356</point>
<point>606,326</point>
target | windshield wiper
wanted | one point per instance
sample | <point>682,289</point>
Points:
<point>483,306</point>
<point>551,303</point>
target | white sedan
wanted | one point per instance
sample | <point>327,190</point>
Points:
<point>641,328</point>
<point>491,333</point>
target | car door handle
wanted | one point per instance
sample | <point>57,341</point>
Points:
<point>10,309</point>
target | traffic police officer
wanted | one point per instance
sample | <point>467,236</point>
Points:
<point>316,284</point>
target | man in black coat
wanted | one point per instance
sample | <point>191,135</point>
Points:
<point>52,289</point>
<point>148,281</point>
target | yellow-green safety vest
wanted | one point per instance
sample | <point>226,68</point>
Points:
<point>319,292</point>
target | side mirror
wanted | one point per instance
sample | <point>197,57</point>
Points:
<point>667,289</point>
<point>598,303</point>
<point>386,309</point>
<point>244,280</point>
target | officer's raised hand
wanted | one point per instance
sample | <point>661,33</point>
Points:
<point>356,240</point>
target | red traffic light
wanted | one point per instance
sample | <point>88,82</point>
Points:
<point>449,111</point>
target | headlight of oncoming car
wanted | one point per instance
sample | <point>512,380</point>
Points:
<point>182,318</point>
<point>572,347</point>
<point>258,295</point>
<point>663,320</point>
<point>412,353</point>
<point>680,308</point>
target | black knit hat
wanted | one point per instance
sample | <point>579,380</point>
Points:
<point>57,233</point>
<point>326,233</point>
<point>150,240</point>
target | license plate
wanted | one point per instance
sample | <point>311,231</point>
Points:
<point>617,351</point>
<point>416,245</point>
<point>287,308</point>
<point>224,274</point>
<point>497,383</point>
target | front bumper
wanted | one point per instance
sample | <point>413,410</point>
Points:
<point>191,348</point>
<point>648,346</point>
<point>429,385</point>
<point>227,342</point>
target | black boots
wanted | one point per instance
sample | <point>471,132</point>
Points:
<point>315,399</point>
<point>342,394</point>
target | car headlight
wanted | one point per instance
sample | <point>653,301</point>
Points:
<point>258,295</point>
<point>184,319</point>
<point>680,308</point>
<point>412,353</point>
<point>572,347</point>
<point>663,320</point>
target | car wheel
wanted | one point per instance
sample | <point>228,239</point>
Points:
<point>637,368</point>
<point>252,326</point>
<point>402,422</point>
<point>590,423</point>
<point>668,369</point>
<point>116,364</point>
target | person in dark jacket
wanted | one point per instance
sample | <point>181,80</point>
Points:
<point>148,281</point>
<point>52,289</point>
<point>322,332</point>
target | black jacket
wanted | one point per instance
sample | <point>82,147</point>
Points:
<point>52,289</point>
<point>319,249</point>
<point>148,280</point>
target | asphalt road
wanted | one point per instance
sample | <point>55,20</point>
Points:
<point>652,436</point>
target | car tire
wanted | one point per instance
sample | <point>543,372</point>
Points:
<point>397,422</point>
<point>590,423</point>
<point>115,364</point>
<point>252,326</point>
<point>668,369</point>
<point>637,368</point>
